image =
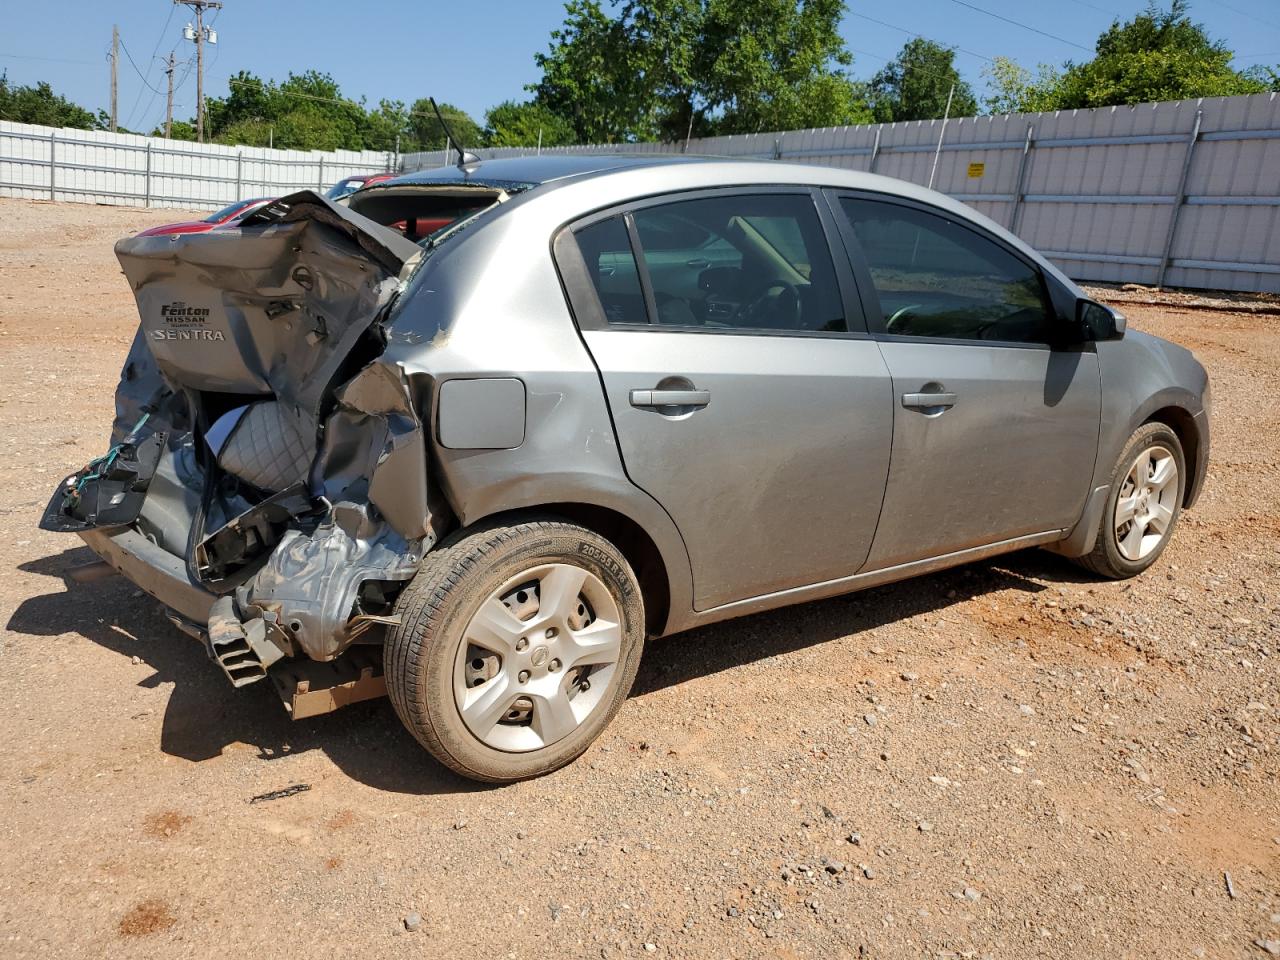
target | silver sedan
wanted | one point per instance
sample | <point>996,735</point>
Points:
<point>477,437</point>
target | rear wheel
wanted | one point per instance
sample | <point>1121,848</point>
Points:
<point>516,646</point>
<point>1144,504</point>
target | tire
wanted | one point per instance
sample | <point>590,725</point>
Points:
<point>1114,556</point>
<point>447,652</point>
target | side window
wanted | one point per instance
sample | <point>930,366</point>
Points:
<point>936,278</point>
<point>750,262</point>
<point>606,248</point>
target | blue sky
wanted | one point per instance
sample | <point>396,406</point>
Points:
<point>480,52</point>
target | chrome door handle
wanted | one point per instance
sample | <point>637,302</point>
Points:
<point>670,398</point>
<point>923,401</point>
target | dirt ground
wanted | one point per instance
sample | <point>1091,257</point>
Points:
<point>1006,760</point>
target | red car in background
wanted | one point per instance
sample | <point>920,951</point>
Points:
<point>228,214</point>
<point>349,185</point>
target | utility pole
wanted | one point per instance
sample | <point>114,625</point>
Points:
<point>168,108</point>
<point>115,63</point>
<point>201,35</point>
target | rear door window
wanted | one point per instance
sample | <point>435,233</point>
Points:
<point>748,262</point>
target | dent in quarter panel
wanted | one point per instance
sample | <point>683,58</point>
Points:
<point>484,414</point>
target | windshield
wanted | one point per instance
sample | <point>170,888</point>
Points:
<point>344,188</point>
<point>225,212</point>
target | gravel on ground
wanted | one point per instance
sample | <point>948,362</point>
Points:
<point>1005,760</point>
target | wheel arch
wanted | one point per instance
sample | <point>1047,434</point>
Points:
<point>1183,423</point>
<point>660,575</point>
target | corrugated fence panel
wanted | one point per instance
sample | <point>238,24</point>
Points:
<point>1108,194</point>
<point>96,166</point>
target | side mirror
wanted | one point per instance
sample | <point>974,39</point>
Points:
<point>1097,322</point>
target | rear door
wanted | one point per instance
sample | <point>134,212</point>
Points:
<point>747,396</point>
<point>996,417</point>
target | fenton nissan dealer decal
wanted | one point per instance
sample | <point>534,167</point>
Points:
<point>182,322</point>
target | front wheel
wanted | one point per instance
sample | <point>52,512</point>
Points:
<point>1147,487</point>
<point>516,647</point>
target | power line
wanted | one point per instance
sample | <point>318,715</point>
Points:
<point>920,36</point>
<point>150,64</point>
<point>141,77</point>
<point>945,78</point>
<point>21,56</point>
<point>1093,6</point>
<point>1243,13</point>
<point>1024,26</point>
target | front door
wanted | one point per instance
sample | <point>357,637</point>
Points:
<point>747,397</point>
<point>995,420</point>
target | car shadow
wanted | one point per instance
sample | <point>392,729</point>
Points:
<point>205,715</point>
<point>721,646</point>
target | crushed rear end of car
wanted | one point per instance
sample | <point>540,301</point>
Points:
<point>267,473</point>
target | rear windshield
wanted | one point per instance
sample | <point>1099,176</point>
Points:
<point>344,188</point>
<point>225,212</point>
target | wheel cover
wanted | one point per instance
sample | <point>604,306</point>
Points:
<point>1147,503</point>
<point>537,658</point>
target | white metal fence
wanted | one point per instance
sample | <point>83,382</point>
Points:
<point>100,167</point>
<point>1185,193</point>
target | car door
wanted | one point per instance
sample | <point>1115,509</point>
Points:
<point>996,416</point>
<point>747,397</point>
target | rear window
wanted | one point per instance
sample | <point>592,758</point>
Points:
<point>606,248</point>
<point>344,188</point>
<point>225,212</point>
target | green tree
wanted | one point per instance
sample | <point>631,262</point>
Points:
<point>591,77</point>
<point>386,127</point>
<point>916,84</point>
<point>663,69</point>
<point>39,104</point>
<point>789,72</point>
<point>1013,89</point>
<point>178,130</point>
<point>427,134</point>
<point>1158,55</point>
<point>512,124</point>
<point>1269,77</point>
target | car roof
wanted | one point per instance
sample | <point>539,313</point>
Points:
<point>575,184</point>
<point>531,171</point>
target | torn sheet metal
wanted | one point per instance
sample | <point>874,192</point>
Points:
<point>280,457</point>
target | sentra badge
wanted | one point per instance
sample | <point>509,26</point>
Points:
<point>182,322</point>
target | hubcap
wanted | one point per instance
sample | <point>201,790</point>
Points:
<point>1146,504</point>
<point>537,658</point>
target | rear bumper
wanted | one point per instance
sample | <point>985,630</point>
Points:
<point>153,569</point>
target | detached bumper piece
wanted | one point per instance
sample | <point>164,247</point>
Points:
<point>244,651</point>
<point>309,689</point>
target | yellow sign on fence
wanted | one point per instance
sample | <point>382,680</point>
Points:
<point>976,170</point>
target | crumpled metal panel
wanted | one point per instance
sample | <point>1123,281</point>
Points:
<point>311,581</point>
<point>274,330</point>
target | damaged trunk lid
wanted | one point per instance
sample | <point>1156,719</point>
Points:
<point>259,436</point>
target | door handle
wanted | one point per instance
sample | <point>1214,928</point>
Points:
<point>698,263</point>
<point>924,401</point>
<point>670,398</point>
